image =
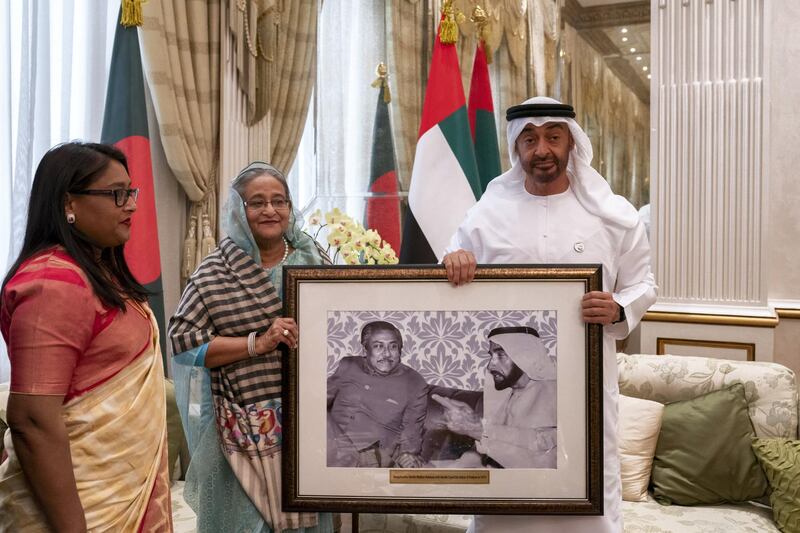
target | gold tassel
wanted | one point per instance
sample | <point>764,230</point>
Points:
<point>481,21</point>
<point>189,249</point>
<point>383,81</point>
<point>208,244</point>
<point>448,29</point>
<point>131,13</point>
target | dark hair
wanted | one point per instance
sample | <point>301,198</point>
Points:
<point>380,325</point>
<point>71,167</point>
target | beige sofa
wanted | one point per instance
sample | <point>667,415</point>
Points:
<point>771,393</point>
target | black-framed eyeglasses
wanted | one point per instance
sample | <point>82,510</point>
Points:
<point>120,195</point>
<point>258,204</point>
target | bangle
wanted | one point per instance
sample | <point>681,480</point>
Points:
<point>251,344</point>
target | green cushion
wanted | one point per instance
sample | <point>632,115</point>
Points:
<point>780,459</point>
<point>703,454</point>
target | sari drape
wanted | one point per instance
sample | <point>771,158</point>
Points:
<point>121,477</point>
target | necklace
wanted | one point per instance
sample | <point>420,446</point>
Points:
<point>285,251</point>
<point>285,254</point>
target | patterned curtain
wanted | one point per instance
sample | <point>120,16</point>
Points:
<point>293,78</point>
<point>617,122</point>
<point>252,23</point>
<point>411,43</point>
<point>181,56</point>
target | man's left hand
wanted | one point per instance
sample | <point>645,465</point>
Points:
<point>599,308</point>
<point>409,460</point>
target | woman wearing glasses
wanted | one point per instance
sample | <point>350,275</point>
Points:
<point>87,442</point>
<point>226,334</point>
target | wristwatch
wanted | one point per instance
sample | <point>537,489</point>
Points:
<point>621,315</point>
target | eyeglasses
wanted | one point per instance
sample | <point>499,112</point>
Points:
<point>120,195</point>
<point>258,204</point>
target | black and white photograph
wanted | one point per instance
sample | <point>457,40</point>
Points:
<point>442,389</point>
<point>405,393</point>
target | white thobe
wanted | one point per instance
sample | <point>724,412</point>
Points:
<point>509,225</point>
<point>520,428</point>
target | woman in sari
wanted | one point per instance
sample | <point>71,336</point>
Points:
<point>87,447</point>
<point>226,334</point>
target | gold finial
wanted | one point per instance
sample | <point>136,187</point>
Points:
<point>481,21</point>
<point>448,30</point>
<point>131,13</point>
<point>383,81</point>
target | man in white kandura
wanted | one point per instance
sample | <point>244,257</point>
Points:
<point>519,397</point>
<point>553,207</point>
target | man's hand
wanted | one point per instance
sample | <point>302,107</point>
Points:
<point>460,267</point>
<point>460,418</point>
<point>409,460</point>
<point>599,308</point>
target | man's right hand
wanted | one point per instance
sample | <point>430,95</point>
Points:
<point>460,417</point>
<point>460,267</point>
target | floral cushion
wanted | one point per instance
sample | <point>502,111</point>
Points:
<point>770,388</point>
<point>651,517</point>
<point>639,517</point>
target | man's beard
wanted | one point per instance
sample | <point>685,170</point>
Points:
<point>546,176</point>
<point>509,379</point>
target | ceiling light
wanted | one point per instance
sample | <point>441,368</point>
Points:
<point>649,76</point>
<point>638,58</point>
<point>624,30</point>
<point>624,39</point>
<point>633,50</point>
<point>644,69</point>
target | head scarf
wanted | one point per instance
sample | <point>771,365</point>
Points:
<point>591,189</point>
<point>234,219</point>
<point>527,351</point>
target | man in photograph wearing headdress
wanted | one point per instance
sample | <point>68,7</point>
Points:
<point>553,207</point>
<point>519,430</point>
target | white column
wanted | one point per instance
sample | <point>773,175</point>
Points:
<point>710,170</point>
<point>708,164</point>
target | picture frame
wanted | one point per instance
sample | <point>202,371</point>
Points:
<point>347,428</point>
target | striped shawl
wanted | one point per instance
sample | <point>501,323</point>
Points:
<point>230,295</point>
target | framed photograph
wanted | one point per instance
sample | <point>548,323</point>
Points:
<point>408,395</point>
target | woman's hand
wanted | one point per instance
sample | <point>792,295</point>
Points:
<point>282,330</point>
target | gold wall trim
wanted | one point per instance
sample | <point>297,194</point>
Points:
<point>606,16</point>
<point>784,312</point>
<point>748,347</point>
<point>719,320</point>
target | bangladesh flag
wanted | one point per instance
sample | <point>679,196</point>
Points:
<point>481,120</point>
<point>125,126</point>
<point>444,179</point>
<point>383,214</point>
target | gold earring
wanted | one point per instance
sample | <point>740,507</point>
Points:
<point>70,218</point>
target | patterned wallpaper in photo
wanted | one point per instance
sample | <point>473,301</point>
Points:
<point>448,348</point>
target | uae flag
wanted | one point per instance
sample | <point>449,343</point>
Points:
<point>481,120</point>
<point>444,179</point>
<point>125,126</point>
<point>383,213</point>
